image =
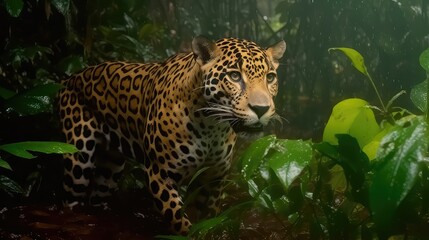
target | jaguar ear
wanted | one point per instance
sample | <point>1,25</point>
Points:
<point>276,51</point>
<point>204,49</point>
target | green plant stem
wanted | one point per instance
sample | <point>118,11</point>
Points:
<point>427,97</point>
<point>376,92</point>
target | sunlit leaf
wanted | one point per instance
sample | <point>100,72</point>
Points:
<point>289,158</point>
<point>9,186</point>
<point>4,164</point>
<point>400,154</point>
<point>33,101</point>
<point>419,95</point>
<point>354,117</point>
<point>356,58</point>
<point>14,7</point>
<point>424,60</point>
<point>21,149</point>
<point>371,148</point>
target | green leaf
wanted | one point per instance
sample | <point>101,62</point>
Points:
<point>355,164</point>
<point>21,149</point>
<point>354,117</point>
<point>4,164</point>
<point>419,95</point>
<point>34,101</point>
<point>289,159</point>
<point>400,154</point>
<point>270,166</point>
<point>219,222</point>
<point>198,173</point>
<point>252,158</point>
<point>424,60</point>
<point>356,58</point>
<point>49,89</point>
<point>14,7</point>
<point>6,94</point>
<point>71,64</point>
<point>9,186</point>
<point>371,148</point>
<point>208,224</point>
<point>62,6</point>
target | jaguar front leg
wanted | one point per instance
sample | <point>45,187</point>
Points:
<point>168,200</point>
<point>209,196</point>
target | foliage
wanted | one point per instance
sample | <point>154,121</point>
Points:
<point>331,188</point>
<point>316,81</point>
<point>21,150</point>
<point>352,116</point>
<point>34,101</point>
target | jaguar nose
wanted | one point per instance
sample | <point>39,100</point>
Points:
<point>259,110</point>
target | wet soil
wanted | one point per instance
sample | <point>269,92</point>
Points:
<point>53,222</point>
<point>129,218</point>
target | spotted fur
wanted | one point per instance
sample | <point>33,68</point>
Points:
<point>175,117</point>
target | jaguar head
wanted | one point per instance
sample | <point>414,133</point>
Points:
<point>240,80</point>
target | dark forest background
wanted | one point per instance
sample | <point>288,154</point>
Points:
<point>43,41</point>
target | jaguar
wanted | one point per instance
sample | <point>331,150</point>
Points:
<point>175,117</point>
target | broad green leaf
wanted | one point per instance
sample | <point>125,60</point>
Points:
<point>356,58</point>
<point>49,89</point>
<point>33,101</point>
<point>419,95</point>
<point>71,64</point>
<point>6,94</point>
<point>252,158</point>
<point>270,165</point>
<point>399,156</point>
<point>14,7</point>
<point>288,160</point>
<point>9,186</point>
<point>371,148</point>
<point>4,164</point>
<point>21,149</point>
<point>62,6</point>
<point>29,105</point>
<point>354,117</point>
<point>269,192</point>
<point>424,60</point>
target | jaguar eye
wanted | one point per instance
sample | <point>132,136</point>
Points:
<point>271,77</point>
<point>235,76</point>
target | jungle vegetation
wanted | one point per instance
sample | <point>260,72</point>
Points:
<point>363,60</point>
